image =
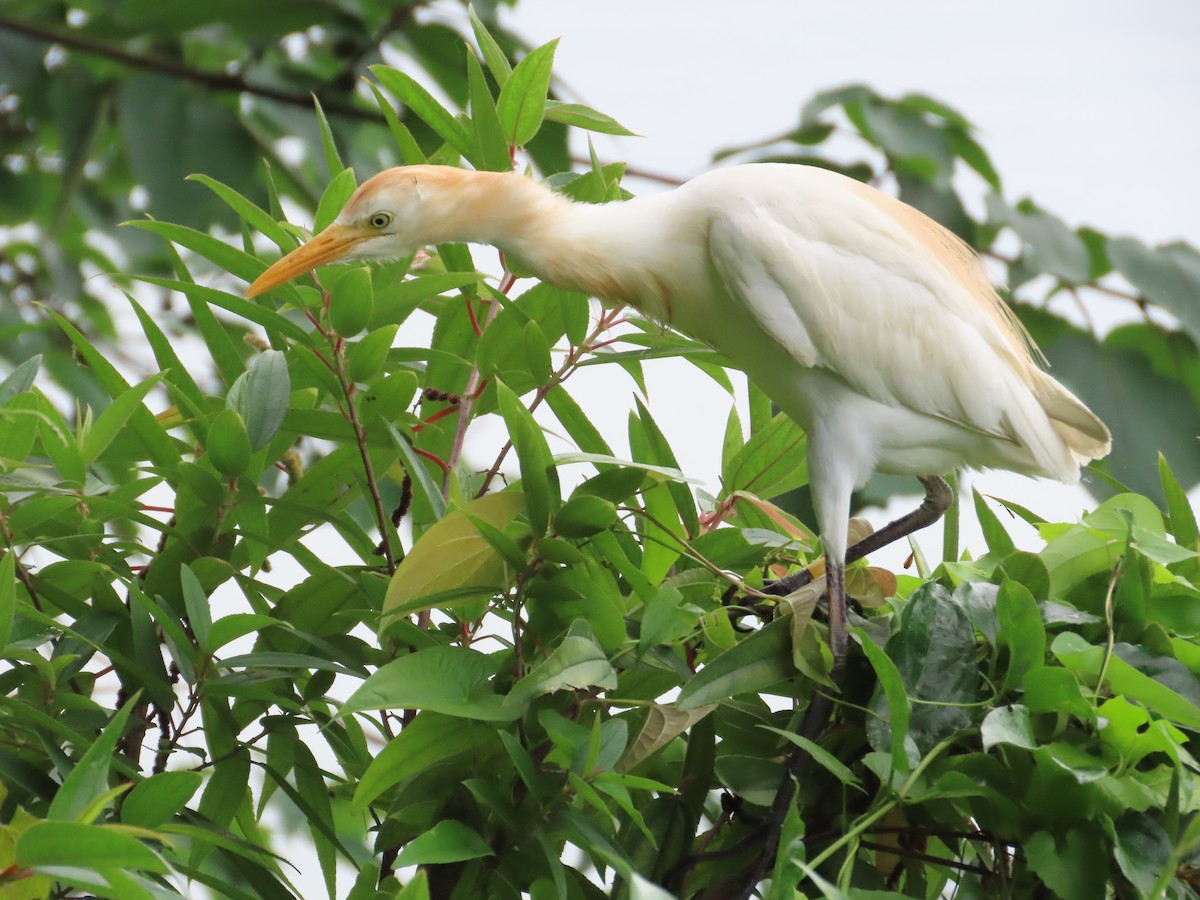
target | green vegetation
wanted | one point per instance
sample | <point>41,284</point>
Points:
<point>539,687</point>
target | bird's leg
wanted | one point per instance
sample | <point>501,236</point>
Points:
<point>938,497</point>
<point>835,590</point>
<point>937,500</point>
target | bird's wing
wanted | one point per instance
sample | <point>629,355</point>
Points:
<point>859,296</point>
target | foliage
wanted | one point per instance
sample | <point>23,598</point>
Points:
<point>286,598</point>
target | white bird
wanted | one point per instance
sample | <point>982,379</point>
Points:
<point>867,322</point>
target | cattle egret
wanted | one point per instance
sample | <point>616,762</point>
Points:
<point>867,322</point>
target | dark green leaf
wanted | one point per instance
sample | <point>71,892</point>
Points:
<point>447,680</point>
<point>448,841</point>
<point>756,662</point>
<point>88,779</point>
<point>539,477</point>
<point>422,103</point>
<point>155,800</point>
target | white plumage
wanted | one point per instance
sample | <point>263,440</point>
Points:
<point>867,322</point>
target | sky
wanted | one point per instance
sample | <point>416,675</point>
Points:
<point>1087,107</point>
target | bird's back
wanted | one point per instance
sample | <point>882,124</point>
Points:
<point>850,281</point>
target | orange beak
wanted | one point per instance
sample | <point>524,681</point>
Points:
<point>331,245</point>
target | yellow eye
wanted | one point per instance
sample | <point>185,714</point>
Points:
<point>380,219</point>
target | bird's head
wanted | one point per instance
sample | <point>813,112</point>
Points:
<point>391,215</point>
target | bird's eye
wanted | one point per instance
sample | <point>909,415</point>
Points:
<point>380,220</point>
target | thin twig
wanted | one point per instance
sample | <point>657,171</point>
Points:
<point>360,438</point>
<point>927,857</point>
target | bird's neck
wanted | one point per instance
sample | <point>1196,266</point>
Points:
<point>599,249</point>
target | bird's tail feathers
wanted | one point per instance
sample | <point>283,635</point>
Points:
<point>1079,428</point>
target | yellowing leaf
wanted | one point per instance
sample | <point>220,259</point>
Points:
<point>452,562</point>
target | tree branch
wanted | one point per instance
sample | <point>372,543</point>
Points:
<point>230,82</point>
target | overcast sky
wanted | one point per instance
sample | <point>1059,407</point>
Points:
<point>1088,106</point>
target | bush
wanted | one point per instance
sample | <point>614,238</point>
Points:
<point>525,689</point>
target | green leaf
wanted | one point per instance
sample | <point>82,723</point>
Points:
<point>351,301</point>
<point>969,151</point>
<point>196,603</point>
<point>158,445</point>
<point>337,192</point>
<point>522,103</point>
<point>1079,656</point>
<point>584,515</point>
<point>232,260</point>
<point>1052,247</point>
<point>333,160</point>
<point>368,356</point>
<point>175,373</point>
<point>405,89</point>
<point>446,842</point>
<point>201,297</point>
<point>663,724</point>
<point>428,740</point>
<point>256,218</point>
<point>261,395</point>
<point>492,152</point>
<point>453,554</point>
<point>20,379</point>
<point>1168,275</point>
<point>497,62</point>
<point>578,662</point>
<point>651,446</point>
<point>756,662</point>
<point>1179,509</point>
<point>69,844</point>
<point>1143,850</point>
<point>584,117</point>
<point>1054,689</point>
<point>406,145</point>
<point>772,462</point>
<point>448,680</point>
<point>157,799</point>
<point>1021,631</point>
<point>934,652</point>
<point>89,777</point>
<point>231,627</point>
<point>820,756</point>
<point>1157,548</point>
<point>895,715</point>
<point>227,443</point>
<point>8,595</point>
<point>997,538</point>
<point>1007,725</point>
<point>1067,865</point>
<point>537,352</point>
<point>579,427</point>
<point>539,477</point>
